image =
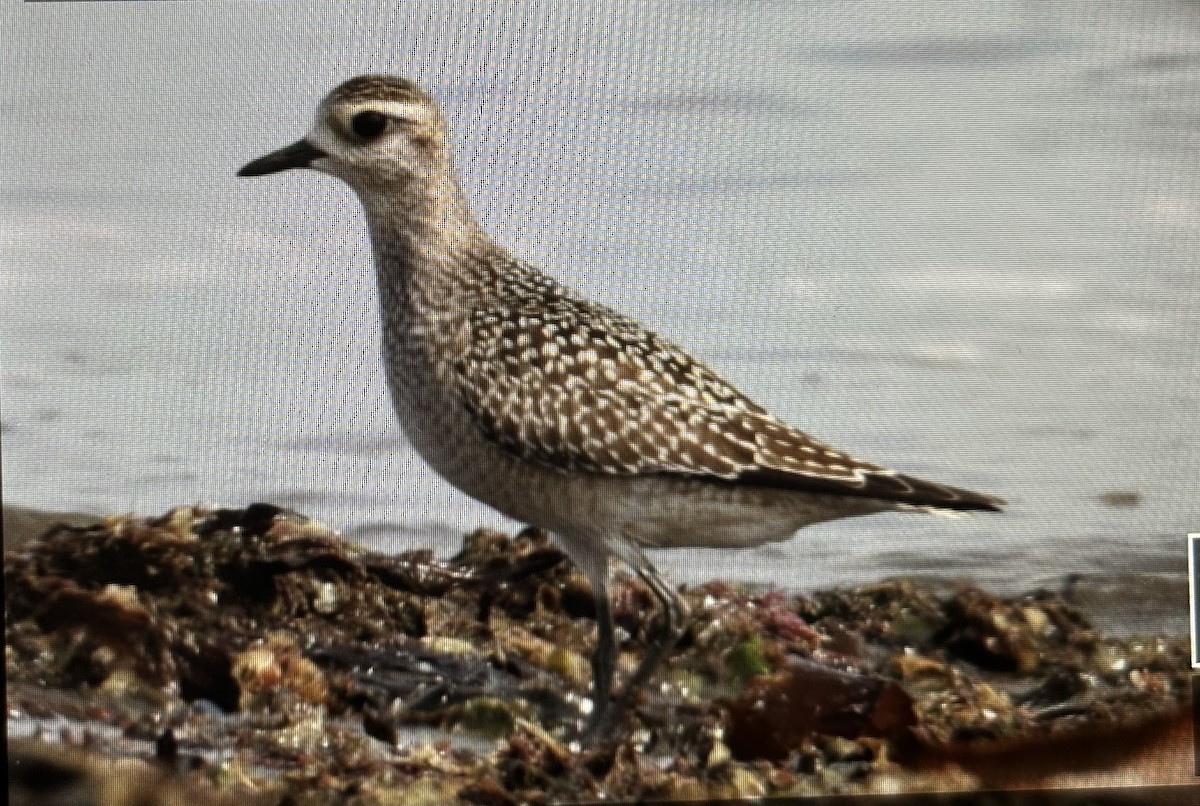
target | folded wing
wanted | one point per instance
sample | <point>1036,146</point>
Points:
<point>575,386</point>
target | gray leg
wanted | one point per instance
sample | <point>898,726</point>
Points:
<point>667,630</point>
<point>606,714</point>
<point>594,565</point>
<point>666,633</point>
<point>604,662</point>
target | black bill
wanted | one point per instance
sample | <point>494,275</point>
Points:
<point>299,154</point>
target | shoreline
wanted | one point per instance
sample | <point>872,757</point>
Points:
<point>1118,602</point>
<point>19,525</point>
<point>265,632</point>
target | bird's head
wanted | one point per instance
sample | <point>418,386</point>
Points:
<point>372,131</point>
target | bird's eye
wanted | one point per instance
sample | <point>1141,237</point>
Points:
<point>369,125</point>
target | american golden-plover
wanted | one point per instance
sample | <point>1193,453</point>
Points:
<point>558,411</point>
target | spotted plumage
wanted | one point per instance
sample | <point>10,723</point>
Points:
<point>575,386</point>
<point>557,410</point>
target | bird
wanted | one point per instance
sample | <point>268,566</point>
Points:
<point>559,411</point>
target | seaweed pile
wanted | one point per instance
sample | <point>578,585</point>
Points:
<point>254,656</point>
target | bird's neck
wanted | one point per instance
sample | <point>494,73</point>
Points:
<point>430,252</point>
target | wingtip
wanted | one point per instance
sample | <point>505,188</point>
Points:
<point>943,496</point>
<point>978,501</point>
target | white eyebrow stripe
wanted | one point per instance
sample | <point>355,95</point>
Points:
<point>393,109</point>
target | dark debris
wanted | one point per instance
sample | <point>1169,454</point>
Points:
<point>255,652</point>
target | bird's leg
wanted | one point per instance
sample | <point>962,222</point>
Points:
<point>592,560</point>
<point>604,662</point>
<point>667,631</point>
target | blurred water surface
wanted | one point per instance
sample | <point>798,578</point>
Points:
<point>956,238</point>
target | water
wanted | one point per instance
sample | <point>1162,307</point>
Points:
<point>959,239</point>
